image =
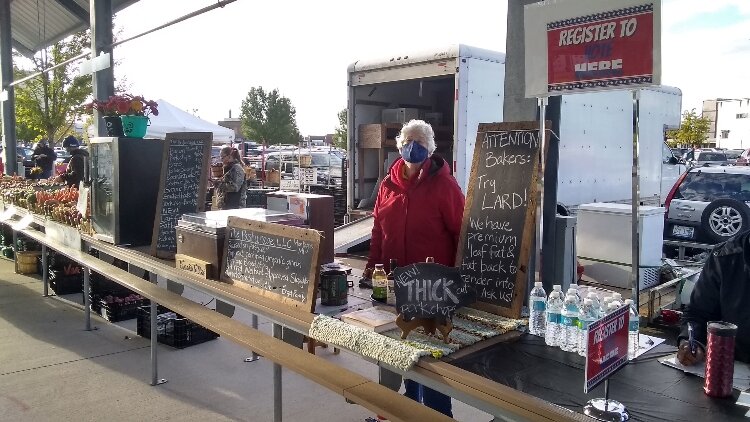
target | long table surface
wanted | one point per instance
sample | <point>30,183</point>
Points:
<point>650,390</point>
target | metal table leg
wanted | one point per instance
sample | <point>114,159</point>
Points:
<point>277,381</point>
<point>45,273</point>
<point>254,324</point>
<point>154,345</point>
<point>15,250</point>
<point>86,298</point>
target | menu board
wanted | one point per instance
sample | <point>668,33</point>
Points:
<point>182,189</point>
<point>498,224</point>
<point>272,260</point>
<point>428,290</point>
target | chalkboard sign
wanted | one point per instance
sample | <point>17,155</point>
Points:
<point>272,260</point>
<point>183,186</point>
<point>427,290</point>
<point>498,223</point>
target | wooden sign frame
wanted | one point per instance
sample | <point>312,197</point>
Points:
<point>207,138</point>
<point>514,311</point>
<point>291,232</point>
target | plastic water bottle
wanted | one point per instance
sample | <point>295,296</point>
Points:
<point>554,308</point>
<point>537,308</point>
<point>605,304</point>
<point>633,326</point>
<point>573,289</point>
<point>617,299</point>
<point>588,315</point>
<point>557,288</point>
<point>595,302</point>
<point>569,341</point>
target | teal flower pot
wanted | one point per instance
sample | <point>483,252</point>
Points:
<point>134,126</point>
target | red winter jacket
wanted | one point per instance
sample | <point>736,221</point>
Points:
<point>417,218</point>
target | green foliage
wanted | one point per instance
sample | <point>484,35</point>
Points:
<point>48,105</point>
<point>339,137</point>
<point>269,117</point>
<point>693,131</point>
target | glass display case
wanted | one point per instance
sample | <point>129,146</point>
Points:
<point>125,176</point>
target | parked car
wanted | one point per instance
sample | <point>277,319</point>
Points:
<point>733,155</point>
<point>709,205</point>
<point>743,159</point>
<point>701,158</point>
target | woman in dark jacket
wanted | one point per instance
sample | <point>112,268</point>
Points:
<point>232,187</point>
<point>417,215</point>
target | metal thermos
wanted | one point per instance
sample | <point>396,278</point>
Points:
<point>333,287</point>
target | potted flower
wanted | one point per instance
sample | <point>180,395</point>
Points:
<point>127,113</point>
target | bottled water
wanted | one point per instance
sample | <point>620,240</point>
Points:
<point>569,342</point>
<point>573,289</point>
<point>554,308</point>
<point>588,315</point>
<point>537,308</point>
<point>605,304</point>
<point>617,299</point>
<point>595,302</point>
<point>632,330</point>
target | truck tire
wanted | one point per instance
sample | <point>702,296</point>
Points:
<point>725,218</point>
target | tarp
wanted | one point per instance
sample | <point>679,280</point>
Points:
<point>173,119</point>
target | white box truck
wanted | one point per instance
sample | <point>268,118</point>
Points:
<point>464,86</point>
<point>458,87</point>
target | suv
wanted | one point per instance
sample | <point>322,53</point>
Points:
<point>706,158</point>
<point>708,204</point>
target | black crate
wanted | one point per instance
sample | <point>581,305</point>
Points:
<point>113,311</point>
<point>102,286</point>
<point>177,331</point>
<point>65,284</point>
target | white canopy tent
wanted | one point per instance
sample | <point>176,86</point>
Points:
<point>173,119</point>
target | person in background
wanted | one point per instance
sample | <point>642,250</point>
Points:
<point>417,215</point>
<point>722,293</point>
<point>44,157</point>
<point>232,187</point>
<point>75,172</point>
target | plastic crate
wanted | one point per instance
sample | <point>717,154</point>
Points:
<point>113,311</point>
<point>65,284</point>
<point>173,330</point>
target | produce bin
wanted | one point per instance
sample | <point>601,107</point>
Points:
<point>172,329</point>
<point>116,308</point>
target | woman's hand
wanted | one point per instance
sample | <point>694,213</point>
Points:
<point>686,356</point>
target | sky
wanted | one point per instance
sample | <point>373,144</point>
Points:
<point>207,64</point>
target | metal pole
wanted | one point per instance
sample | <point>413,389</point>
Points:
<point>45,273</point>
<point>277,381</point>
<point>86,298</point>
<point>254,324</point>
<point>606,395</point>
<point>540,186</point>
<point>8,106</point>
<point>154,337</point>
<point>635,202</point>
<point>103,81</point>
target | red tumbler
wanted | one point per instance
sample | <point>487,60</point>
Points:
<point>720,358</point>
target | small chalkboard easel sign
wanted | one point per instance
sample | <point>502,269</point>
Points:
<point>272,260</point>
<point>498,224</point>
<point>428,295</point>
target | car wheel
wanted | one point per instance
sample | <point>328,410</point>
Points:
<point>724,218</point>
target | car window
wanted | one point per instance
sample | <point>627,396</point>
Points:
<point>712,156</point>
<point>732,154</point>
<point>707,187</point>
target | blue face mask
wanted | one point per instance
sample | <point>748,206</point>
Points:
<point>414,152</point>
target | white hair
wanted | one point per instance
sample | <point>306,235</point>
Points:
<point>417,130</point>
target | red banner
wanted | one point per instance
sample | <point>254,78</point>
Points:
<point>608,49</point>
<point>607,347</point>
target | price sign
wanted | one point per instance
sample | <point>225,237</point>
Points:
<point>607,349</point>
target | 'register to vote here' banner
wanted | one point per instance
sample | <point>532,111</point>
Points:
<point>591,45</point>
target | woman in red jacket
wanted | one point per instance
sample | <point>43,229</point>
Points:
<point>418,214</point>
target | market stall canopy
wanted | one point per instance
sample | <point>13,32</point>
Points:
<point>35,25</point>
<point>173,119</point>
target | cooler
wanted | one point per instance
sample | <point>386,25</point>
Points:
<point>201,235</point>
<point>603,243</point>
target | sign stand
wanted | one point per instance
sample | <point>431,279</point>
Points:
<point>635,202</point>
<point>536,274</point>
<point>606,409</point>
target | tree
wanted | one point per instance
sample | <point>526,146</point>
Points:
<point>48,105</point>
<point>339,137</point>
<point>693,130</point>
<point>269,117</point>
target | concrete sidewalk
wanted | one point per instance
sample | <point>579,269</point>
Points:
<point>51,369</point>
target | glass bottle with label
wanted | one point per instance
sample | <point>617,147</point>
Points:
<point>391,292</point>
<point>379,283</point>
